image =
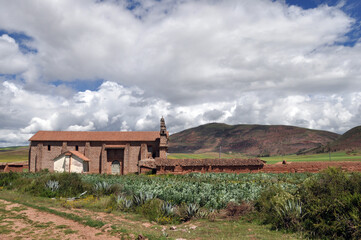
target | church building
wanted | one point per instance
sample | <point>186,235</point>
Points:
<point>96,152</point>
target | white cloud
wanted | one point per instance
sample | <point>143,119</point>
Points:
<point>12,60</point>
<point>251,61</point>
<point>114,107</point>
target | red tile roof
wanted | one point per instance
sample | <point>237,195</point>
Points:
<point>209,162</point>
<point>76,153</point>
<point>94,136</point>
<point>79,155</point>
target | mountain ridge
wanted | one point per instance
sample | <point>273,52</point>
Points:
<point>249,139</point>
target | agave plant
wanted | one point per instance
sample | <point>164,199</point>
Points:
<point>123,202</point>
<point>53,185</point>
<point>192,210</point>
<point>102,187</point>
<point>202,214</point>
<point>168,208</point>
<point>290,213</point>
<point>142,198</point>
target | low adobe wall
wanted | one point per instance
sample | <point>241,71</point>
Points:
<point>14,167</point>
<point>183,166</point>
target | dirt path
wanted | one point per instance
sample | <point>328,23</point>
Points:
<point>20,222</point>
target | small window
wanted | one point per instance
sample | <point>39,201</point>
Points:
<point>76,148</point>
<point>49,147</point>
<point>150,149</point>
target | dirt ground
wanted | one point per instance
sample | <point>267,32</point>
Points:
<point>20,222</point>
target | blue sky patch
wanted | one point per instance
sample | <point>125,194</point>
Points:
<point>21,39</point>
<point>80,85</point>
<point>350,7</point>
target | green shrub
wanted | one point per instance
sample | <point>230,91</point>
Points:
<point>332,205</point>
<point>151,209</point>
<point>71,184</point>
<point>7,179</point>
<point>280,209</point>
<point>235,209</point>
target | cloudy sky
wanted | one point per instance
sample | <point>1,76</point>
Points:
<point>122,64</point>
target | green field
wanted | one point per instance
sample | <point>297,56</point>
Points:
<point>14,154</point>
<point>334,156</point>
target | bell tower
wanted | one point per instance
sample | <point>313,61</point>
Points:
<point>163,143</point>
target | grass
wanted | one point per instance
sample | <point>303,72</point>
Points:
<point>14,154</point>
<point>321,157</point>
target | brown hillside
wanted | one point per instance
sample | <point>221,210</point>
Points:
<point>249,139</point>
<point>350,140</point>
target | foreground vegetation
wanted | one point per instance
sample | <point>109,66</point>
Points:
<point>124,225</point>
<point>324,205</point>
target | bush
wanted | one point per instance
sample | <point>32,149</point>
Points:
<point>71,184</point>
<point>280,209</point>
<point>6,179</point>
<point>235,210</point>
<point>151,209</point>
<point>332,205</point>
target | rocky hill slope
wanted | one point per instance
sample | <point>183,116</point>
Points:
<point>350,140</point>
<point>255,140</point>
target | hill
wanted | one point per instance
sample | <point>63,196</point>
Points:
<point>14,154</point>
<point>261,140</point>
<point>350,140</point>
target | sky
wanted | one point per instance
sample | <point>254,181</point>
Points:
<point>120,65</point>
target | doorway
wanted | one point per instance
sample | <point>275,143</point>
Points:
<point>115,167</point>
<point>115,160</point>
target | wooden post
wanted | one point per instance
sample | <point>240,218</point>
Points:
<point>126,159</point>
<point>70,164</point>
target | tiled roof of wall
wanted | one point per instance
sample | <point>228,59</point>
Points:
<point>209,162</point>
<point>94,136</point>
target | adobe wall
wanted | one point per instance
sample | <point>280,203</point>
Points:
<point>39,154</point>
<point>13,167</point>
<point>291,167</point>
<point>205,169</point>
<point>183,166</point>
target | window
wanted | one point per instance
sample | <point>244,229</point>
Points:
<point>49,147</point>
<point>76,148</point>
<point>150,149</point>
